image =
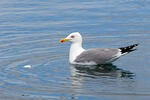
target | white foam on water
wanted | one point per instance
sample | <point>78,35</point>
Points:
<point>27,66</point>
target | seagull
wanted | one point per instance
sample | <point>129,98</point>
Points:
<point>94,56</point>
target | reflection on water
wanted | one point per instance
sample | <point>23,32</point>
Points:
<point>107,70</point>
<point>101,80</point>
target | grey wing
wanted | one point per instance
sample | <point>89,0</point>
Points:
<point>97,55</point>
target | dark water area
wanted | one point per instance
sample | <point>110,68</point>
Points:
<point>29,35</point>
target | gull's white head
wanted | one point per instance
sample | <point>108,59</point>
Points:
<point>74,37</point>
<point>76,47</point>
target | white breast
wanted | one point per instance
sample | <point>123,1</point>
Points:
<point>75,50</point>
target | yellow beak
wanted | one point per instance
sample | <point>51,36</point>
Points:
<point>64,40</point>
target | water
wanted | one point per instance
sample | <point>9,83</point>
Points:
<point>29,36</point>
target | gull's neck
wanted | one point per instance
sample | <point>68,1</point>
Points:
<point>75,50</point>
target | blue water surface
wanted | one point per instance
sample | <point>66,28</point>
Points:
<point>30,31</point>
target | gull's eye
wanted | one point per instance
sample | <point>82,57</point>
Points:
<point>72,36</point>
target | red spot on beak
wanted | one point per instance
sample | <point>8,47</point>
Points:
<point>61,41</point>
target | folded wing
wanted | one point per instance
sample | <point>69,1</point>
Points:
<point>99,55</point>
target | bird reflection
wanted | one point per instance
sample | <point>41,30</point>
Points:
<point>96,78</point>
<point>107,70</point>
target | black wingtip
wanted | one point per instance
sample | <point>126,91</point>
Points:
<point>128,48</point>
<point>135,44</point>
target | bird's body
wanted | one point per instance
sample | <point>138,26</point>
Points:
<point>98,56</point>
<point>94,56</point>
